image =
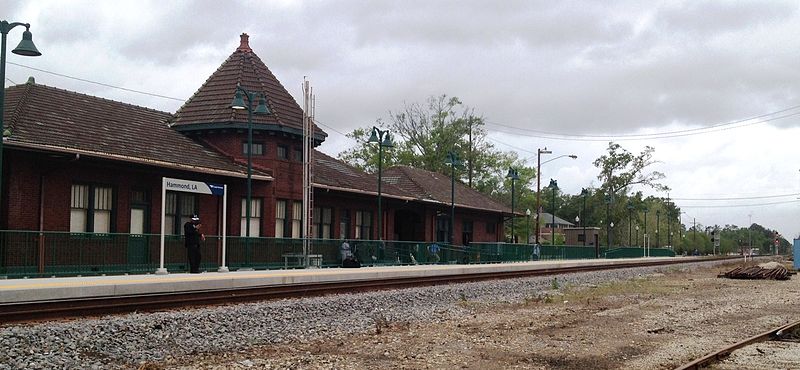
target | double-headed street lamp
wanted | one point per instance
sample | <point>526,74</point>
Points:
<point>539,164</point>
<point>514,176</point>
<point>453,161</point>
<point>554,187</point>
<point>239,103</point>
<point>384,140</point>
<point>25,48</point>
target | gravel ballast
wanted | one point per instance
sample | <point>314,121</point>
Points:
<point>166,339</point>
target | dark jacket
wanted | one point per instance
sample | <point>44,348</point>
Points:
<point>192,234</point>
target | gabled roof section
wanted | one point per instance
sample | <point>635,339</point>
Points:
<point>210,105</point>
<point>432,186</point>
<point>46,118</point>
<point>547,218</point>
<point>332,173</point>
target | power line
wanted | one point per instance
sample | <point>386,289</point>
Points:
<point>97,83</point>
<point>739,198</point>
<point>660,135</point>
<point>741,205</point>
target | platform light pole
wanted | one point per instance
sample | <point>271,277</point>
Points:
<point>609,199</point>
<point>585,193</point>
<point>24,48</point>
<point>384,140</point>
<point>554,187</point>
<point>453,161</point>
<point>658,226</point>
<point>528,231</point>
<point>539,153</point>
<point>514,176</point>
<point>630,223</point>
<point>238,103</point>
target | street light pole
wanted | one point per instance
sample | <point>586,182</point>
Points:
<point>239,104</point>
<point>528,231</point>
<point>539,153</point>
<point>554,187</point>
<point>383,139</point>
<point>630,223</point>
<point>609,199</point>
<point>453,161</point>
<point>585,193</point>
<point>514,176</point>
<point>658,226</point>
<point>24,48</point>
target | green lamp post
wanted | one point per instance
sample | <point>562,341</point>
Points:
<point>25,48</point>
<point>514,176</point>
<point>384,140</point>
<point>554,187</point>
<point>453,161</point>
<point>239,103</point>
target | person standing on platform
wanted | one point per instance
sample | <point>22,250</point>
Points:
<point>191,231</point>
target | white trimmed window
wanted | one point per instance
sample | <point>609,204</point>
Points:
<point>179,209</point>
<point>280,218</point>
<point>91,209</point>
<point>323,223</point>
<point>297,219</point>
<point>255,217</point>
<point>363,225</point>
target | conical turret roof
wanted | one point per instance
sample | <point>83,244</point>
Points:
<point>211,104</point>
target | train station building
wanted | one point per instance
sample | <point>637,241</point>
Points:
<point>79,164</point>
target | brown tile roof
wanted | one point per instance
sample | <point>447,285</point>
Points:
<point>211,103</point>
<point>48,118</point>
<point>432,186</point>
<point>335,174</point>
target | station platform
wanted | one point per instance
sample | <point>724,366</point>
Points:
<point>59,288</point>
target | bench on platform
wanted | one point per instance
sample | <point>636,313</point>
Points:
<point>314,260</point>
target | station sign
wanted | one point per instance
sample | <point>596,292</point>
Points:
<point>190,186</point>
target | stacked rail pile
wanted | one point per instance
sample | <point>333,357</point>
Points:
<point>758,272</point>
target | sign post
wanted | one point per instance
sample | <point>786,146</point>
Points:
<point>198,187</point>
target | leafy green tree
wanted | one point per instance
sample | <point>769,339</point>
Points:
<point>425,133</point>
<point>621,169</point>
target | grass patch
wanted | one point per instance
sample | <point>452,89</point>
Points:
<point>645,286</point>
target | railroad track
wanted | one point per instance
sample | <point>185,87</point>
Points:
<point>82,307</point>
<point>790,332</point>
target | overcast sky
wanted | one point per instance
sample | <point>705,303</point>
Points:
<point>714,86</point>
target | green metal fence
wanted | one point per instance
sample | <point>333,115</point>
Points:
<point>31,253</point>
<point>632,252</point>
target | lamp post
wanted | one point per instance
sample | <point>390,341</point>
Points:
<point>514,176</point>
<point>24,48</point>
<point>658,219</point>
<point>453,161</point>
<point>539,164</point>
<point>637,234</point>
<point>630,223</point>
<point>262,109</point>
<point>528,231</point>
<point>554,186</point>
<point>609,199</point>
<point>384,140</point>
<point>539,153</point>
<point>585,193</point>
<point>611,224</point>
<point>644,236</point>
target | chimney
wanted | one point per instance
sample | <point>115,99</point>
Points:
<point>244,43</point>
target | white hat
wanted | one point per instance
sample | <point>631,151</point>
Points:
<point>195,218</point>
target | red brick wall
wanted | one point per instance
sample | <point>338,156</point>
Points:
<point>27,171</point>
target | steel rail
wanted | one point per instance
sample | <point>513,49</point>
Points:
<point>721,354</point>
<point>89,306</point>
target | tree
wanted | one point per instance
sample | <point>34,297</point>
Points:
<point>425,133</point>
<point>620,169</point>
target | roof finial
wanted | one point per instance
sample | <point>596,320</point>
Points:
<point>244,44</point>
